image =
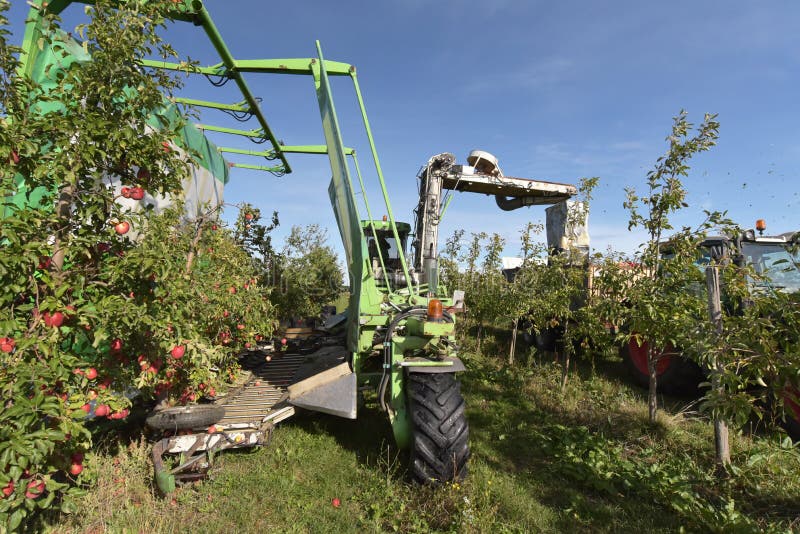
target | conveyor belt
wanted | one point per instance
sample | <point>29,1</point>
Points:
<point>263,397</point>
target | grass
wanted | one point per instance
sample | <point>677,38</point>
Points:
<point>583,461</point>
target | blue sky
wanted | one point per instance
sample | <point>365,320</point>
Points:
<point>556,90</point>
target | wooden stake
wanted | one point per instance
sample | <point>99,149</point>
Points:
<point>715,314</point>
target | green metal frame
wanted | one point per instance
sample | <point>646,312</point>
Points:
<point>372,305</point>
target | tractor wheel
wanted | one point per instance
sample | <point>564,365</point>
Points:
<point>439,449</point>
<point>186,417</point>
<point>675,374</point>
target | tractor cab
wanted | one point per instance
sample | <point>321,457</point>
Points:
<point>384,251</point>
<point>774,259</point>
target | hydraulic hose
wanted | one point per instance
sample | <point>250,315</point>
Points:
<point>387,347</point>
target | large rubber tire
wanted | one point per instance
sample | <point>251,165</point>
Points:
<point>675,375</point>
<point>186,417</point>
<point>440,433</point>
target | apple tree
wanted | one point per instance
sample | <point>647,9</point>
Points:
<point>98,303</point>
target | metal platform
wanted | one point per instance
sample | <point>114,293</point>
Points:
<point>540,191</point>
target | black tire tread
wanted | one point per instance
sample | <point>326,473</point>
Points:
<point>185,417</point>
<point>440,447</point>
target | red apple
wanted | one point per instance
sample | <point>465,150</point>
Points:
<point>86,408</point>
<point>143,174</point>
<point>232,290</point>
<point>125,192</point>
<point>166,146</point>
<point>248,216</point>
<point>102,410</point>
<point>116,344</point>
<point>122,227</point>
<point>212,392</point>
<point>6,344</point>
<point>178,351</point>
<point>77,458</point>
<point>75,469</point>
<point>212,429</point>
<point>34,489</point>
<point>54,319</point>
<point>240,326</point>
<point>91,373</point>
<point>8,489</point>
<point>137,193</point>
<point>336,502</point>
<point>14,157</point>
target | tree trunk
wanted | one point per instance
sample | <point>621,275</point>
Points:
<point>63,210</point>
<point>513,343</point>
<point>722,446</point>
<point>652,388</point>
<point>480,331</point>
<point>566,349</point>
<point>193,249</point>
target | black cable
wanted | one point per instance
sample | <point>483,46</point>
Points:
<point>219,81</point>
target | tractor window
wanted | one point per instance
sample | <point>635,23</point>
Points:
<point>774,261</point>
<point>386,243</point>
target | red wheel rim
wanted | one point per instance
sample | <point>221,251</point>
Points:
<point>638,355</point>
<point>791,398</point>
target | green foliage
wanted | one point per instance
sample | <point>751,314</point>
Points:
<point>89,316</point>
<point>306,274</point>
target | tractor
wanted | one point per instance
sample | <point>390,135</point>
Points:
<point>774,262</point>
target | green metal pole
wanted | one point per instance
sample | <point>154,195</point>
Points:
<point>239,107</point>
<point>389,212</point>
<point>371,220</point>
<point>227,59</point>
